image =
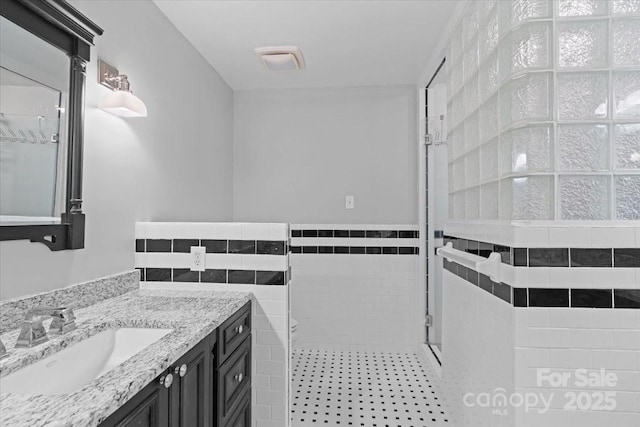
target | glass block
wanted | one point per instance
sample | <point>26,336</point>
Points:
<point>583,147</point>
<point>506,200</point>
<point>628,197</point>
<point>472,168</point>
<point>472,203</point>
<point>488,37</point>
<point>489,201</point>
<point>457,78</point>
<point>531,197</point>
<point>457,111</point>
<point>486,9</point>
<point>489,118</point>
<point>626,41</point>
<point>582,44</point>
<point>527,98</point>
<point>623,7</point>
<point>582,95</point>
<point>582,7</point>
<point>471,97</point>
<point>450,213</point>
<point>489,160</point>
<point>527,149</point>
<point>526,48</point>
<point>488,77</point>
<point>459,173</point>
<point>455,44</point>
<point>459,205</point>
<point>516,11</point>
<point>469,23</point>
<point>584,197</point>
<point>457,140</point>
<point>471,132</point>
<point>626,94</point>
<point>627,143</point>
<point>451,175</point>
<point>470,59</point>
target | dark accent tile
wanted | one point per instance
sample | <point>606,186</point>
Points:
<point>407,234</point>
<point>215,246</point>
<point>416,250</point>
<point>139,245</point>
<point>389,250</point>
<point>486,283</point>
<point>592,298</point>
<point>325,249</point>
<point>270,278</point>
<point>505,253</point>
<point>389,234</point>
<point>462,271</point>
<point>472,247</point>
<point>463,244</point>
<point>158,274</point>
<point>373,234</point>
<point>356,249</point>
<point>270,247</point>
<point>309,249</point>
<point>520,297</point>
<point>296,233</point>
<point>622,257</point>
<point>548,257</point>
<point>213,276</point>
<point>472,276</point>
<point>341,233</point>
<point>325,233</point>
<point>356,233</point>
<point>547,297</point>
<point>374,250</point>
<point>158,245</point>
<point>184,245</point>
<point>591,257</point>
<point>406,250</point>
<point>453,267</point>
<point>309,233</point>
<point>185,275</point>
<point>485,249</point>
<point>341,250</point>
<point>296,249</point>
<point>626,298</point>
<point>141,270</point>
<point>520,257</point>
<point>446,264</point>
<point>502,291</point>
<point>437,234</point>
<point>242,246</point>
<point>247,277</point>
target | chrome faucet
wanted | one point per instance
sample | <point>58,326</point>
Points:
<point>33,333</point>
<point>3,350</point>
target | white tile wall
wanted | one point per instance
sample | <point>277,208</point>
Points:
<point>270,317</point>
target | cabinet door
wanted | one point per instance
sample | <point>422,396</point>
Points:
<point>190,391</point>
<point>213,386</point>
<point>242,418</point>
<point>234,378</point>
<point>148,408</point>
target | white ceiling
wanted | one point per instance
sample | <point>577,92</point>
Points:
<point>344,43</point>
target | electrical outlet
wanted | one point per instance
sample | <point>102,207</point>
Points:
<point>349,202</point>
<point>198,256</point>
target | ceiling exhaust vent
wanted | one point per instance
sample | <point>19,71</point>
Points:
<point>281,58</point>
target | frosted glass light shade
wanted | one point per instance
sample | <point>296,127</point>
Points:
<point>123,103</point>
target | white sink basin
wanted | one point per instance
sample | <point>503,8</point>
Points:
<point>72,368</point>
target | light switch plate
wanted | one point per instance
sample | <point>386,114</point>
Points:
<point>349,202</point>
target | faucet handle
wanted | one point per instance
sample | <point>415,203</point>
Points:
<point>63,321</point>
<point>32,333</point>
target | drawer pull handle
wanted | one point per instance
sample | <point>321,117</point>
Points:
<point>167,380</point>
<point>239,329</point>
<point>182,370</point>
<point>239,377</point>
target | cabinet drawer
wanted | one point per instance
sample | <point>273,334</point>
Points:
<point>242,417</point>
<point>233,332</point>
<point>234,381</point>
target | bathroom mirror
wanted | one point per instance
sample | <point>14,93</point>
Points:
<point>44,48</point>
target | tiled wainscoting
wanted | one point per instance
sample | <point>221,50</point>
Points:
<point>561,308</point>
<point>356,300</point>
<point>239,256</point>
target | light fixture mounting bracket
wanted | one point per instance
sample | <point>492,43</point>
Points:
<point>108,75</point>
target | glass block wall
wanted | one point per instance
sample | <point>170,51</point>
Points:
<point>544,111</point>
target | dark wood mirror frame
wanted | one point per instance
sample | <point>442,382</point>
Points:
<point>63,26</point>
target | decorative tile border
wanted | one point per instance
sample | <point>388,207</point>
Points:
<point>552,257</point>
<point>357,233</point>
<point>356,250</point>
<point>365,241</point>
<point>253,247</point>
<point>242,277</point>
<point>548,297</point>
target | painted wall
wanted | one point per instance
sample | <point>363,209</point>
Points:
<point>298,153</point>
<point>175,164</point>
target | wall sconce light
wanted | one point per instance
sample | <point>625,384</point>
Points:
<point>120,101</point>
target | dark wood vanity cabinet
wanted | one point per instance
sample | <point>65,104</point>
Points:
<point>207,387</point>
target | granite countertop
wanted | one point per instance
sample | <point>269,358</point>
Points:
<point>191,314</point>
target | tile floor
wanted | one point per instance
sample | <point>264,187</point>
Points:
<point>363,389</point>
